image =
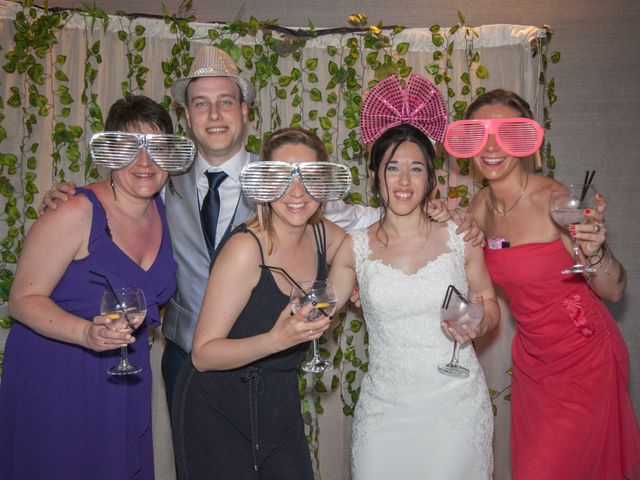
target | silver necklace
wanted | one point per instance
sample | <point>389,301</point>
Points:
<point>503,214</point>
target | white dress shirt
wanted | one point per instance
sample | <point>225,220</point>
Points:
<point>230,189</point>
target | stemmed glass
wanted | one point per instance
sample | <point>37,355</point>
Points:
<point>323,296</point>
<point>457,311</point>
<point>567,205</point>
<point>126,307</point>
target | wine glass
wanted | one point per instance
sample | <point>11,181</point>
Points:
<point>457,311</point>
<point>566,206</point>
<point>126,307</point>
<point>323,296</point>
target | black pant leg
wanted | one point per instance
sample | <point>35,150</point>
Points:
<point>173,360</point>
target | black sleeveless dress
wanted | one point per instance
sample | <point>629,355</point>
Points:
<point>246,423</point>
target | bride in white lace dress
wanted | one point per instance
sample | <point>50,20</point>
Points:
<point>411,421</point>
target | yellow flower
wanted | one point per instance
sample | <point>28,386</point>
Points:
<point>358,19</point>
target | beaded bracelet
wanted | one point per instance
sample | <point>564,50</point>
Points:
<point>599,255</point>
<point>606,270</point>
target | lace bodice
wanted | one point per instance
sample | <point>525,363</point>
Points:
<point>402,311</point>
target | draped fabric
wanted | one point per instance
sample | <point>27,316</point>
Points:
<point>505,50</point>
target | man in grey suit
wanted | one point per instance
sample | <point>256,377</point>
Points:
<point>216,100</point>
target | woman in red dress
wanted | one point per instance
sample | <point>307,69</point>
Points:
<point>572,418</point>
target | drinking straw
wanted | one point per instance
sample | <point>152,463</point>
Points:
<point>451,289</point>
<point>587,182</point>
<point>126,316</point>
<point>284,272</point>
<point>107,282</point>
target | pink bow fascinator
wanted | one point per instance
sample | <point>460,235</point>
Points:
<point>388,105</point>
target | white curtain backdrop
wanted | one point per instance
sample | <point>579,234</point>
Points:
<point>506,50</point>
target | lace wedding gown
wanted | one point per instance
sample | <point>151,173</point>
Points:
<point>411,421</point>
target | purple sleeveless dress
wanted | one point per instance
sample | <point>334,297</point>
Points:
<point>61,414</point>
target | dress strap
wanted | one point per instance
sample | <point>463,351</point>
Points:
<point>99,225</point>
<point>242,228</point>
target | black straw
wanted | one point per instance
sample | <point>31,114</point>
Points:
<point>284,272</point>
<point>107,282</point>
<point>451,289</point>
<point>588,178</point>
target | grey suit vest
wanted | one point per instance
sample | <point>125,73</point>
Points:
<point>190,251</point>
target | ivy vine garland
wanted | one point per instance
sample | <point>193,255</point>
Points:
<point>329,109</point>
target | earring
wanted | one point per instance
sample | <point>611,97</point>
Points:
<point>113,187</point>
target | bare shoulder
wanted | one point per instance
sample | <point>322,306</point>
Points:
<point>333,230</point>
<point>541,187</point>
<point>479,198</point>
<point>74,215</point>
<point>345,256</point>
<point>241,250</point>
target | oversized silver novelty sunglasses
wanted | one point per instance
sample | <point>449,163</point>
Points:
<point>115,150</point>
<point>267,181</point>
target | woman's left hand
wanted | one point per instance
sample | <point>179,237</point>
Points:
<point>462,338</point>
<point>591,233</point>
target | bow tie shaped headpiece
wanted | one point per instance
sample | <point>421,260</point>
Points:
<point>388,105</point>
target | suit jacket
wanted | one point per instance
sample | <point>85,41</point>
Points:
<point>190,251</point>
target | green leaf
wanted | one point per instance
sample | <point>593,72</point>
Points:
<point>325,123</point>
<point>433,68</point>
<point>555,57</point>
<point>459,106</point>
<point>31,213</point>
<point>482,72</point>
<point>434,28</point>
<point>313,114</point>
<point>402,48</point>
<point>312,77</point>
<point>437,39</point>
<point>331,50</point>
<point>122,35</point>
<point>319,387</point>
<point>315,95</point>
<point>284,80</point>
<point>311,63</point>
<point>356,325</point>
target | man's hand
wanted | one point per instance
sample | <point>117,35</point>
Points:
<point>59,192</point>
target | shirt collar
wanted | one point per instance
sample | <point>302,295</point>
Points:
<point>231,167</point>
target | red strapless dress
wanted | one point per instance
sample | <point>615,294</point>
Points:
<point>572,418</point>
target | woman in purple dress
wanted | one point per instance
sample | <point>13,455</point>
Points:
<point>61,414</point>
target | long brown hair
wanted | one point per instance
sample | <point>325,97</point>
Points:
<point>262,221</point>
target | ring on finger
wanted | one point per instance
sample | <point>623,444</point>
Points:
<point>310,332</point>
<point>597,225</point>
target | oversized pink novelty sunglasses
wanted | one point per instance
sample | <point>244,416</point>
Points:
<point>518,137</point>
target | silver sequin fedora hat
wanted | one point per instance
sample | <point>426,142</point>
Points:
<point>210,61</point>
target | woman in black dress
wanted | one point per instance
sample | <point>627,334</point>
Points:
<point>237,410</point>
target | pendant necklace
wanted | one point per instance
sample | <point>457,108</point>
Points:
<point>503,214</point>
